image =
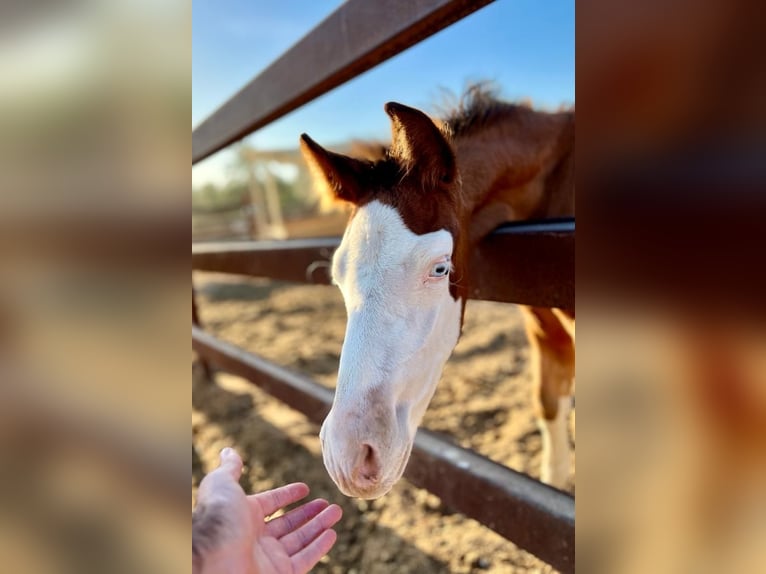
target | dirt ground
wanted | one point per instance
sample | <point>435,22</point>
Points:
<point>484,402</point>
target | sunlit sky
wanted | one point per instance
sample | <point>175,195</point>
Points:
<point>525,46</point>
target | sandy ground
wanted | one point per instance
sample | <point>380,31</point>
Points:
<point>484,402</point>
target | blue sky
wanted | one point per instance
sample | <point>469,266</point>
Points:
<point>525,46</point>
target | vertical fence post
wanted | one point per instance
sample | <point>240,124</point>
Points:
<point>207,372</point>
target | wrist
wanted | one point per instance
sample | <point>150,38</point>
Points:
<point>226,562</point>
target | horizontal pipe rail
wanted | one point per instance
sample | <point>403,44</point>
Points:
<point>534,516</point>
<point>356,37</point>
<point>531,263</point>
<point>300,260</point>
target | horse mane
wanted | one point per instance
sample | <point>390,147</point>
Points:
<point>478,107</point>
<point>475,109</point>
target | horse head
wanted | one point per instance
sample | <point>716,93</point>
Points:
<point>397,267</point>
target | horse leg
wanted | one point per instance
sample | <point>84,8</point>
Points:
<point>553,354</point>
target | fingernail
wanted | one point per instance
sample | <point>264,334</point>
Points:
<point>226,452</point>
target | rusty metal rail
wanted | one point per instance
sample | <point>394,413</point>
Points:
<point>356,37</point>
<point>528,263</point>
<point>536,517</point>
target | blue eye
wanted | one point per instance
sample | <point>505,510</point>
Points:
<point>440,269</point>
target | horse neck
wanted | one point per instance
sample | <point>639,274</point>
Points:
<point>522,164</point>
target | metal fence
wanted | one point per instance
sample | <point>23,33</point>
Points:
<point>538,256</point>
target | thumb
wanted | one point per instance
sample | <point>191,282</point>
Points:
<point>224,480</point>
<point>231,463</point>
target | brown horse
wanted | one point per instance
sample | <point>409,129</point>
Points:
<point>418,211</point>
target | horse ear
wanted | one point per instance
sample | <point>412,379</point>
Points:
<point>420,145</point>
<point>336,175</point>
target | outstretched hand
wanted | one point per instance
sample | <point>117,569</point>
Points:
<point>230,533</point>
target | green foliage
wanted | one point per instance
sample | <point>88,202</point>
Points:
<point>211,198</point>
<point>293,199</point>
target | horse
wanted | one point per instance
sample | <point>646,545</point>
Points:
<point>417,211</point>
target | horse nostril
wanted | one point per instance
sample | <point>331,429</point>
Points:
<point>369,468</point>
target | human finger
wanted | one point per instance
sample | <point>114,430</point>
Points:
<point>306,559</point>
<point>301,538</point>
<point>295,518</point>
<point>231,462</point>
<point>222,482</point>
<point>270,501</point>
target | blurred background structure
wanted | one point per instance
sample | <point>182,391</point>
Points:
<point>94,196</point>
<point>268,196</point>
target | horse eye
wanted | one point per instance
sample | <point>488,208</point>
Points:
<point>440,270</point>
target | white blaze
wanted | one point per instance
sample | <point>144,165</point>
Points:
<point>402,326</point>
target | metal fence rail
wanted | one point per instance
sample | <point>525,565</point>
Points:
<point>536,517</point>
<point>356,37</point>
<point>529,263</point>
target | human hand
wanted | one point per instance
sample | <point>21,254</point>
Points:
<point>230,533</point>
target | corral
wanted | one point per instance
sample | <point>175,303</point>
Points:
<point>539,256</point>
